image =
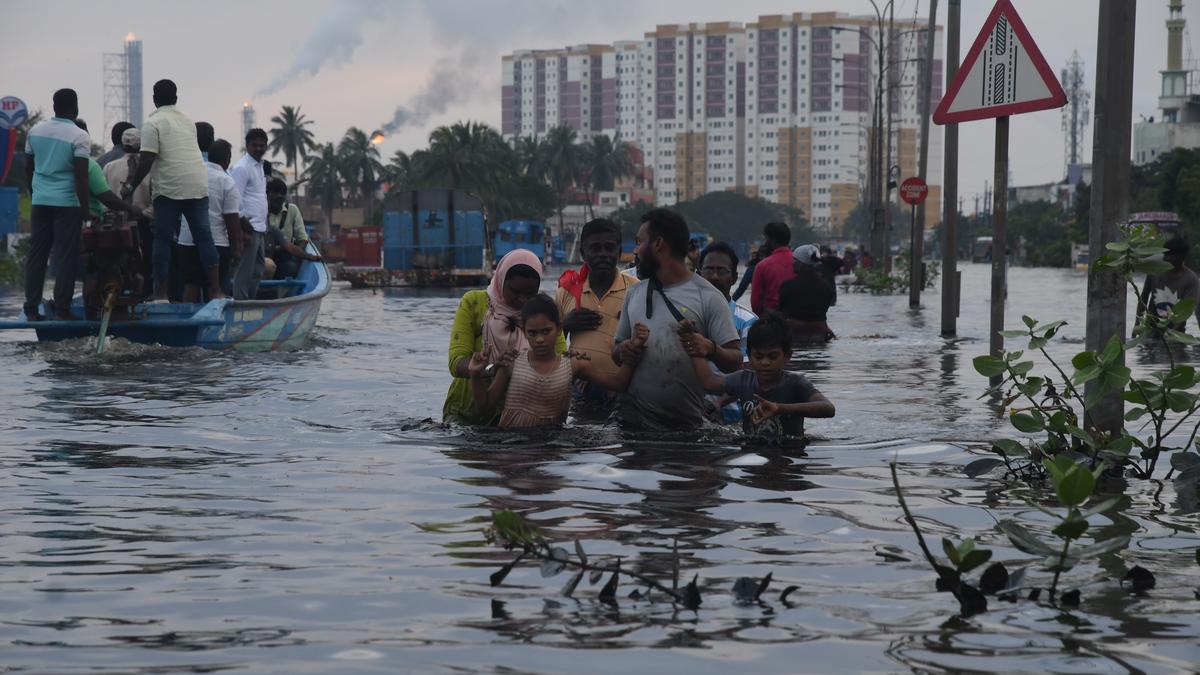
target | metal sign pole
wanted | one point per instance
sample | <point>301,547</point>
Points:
<point>999,245</point>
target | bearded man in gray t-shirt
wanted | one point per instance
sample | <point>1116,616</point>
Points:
<point>687,317</point>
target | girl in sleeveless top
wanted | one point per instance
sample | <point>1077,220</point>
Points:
<point>535,383</point>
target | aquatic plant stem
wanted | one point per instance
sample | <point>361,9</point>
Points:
<point>532,550</point>
<point>1062,559</point>
<point>913,523</point>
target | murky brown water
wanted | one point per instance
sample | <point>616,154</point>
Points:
<point>171,510</point>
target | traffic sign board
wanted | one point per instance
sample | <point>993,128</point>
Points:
<point>913,191</point>
<point>1003,74</point>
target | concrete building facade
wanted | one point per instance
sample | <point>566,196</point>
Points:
<point>1178,100</point>
<point>779,108</point>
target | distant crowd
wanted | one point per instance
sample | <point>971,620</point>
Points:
<point>206,231</point>
<point>666,350</point>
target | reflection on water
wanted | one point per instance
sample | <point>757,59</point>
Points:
<point>181,510</point>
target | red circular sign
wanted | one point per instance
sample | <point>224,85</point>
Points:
<point>913,190</point>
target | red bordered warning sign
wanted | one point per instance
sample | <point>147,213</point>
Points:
<point>1003,74</point>
<point>913,190</point>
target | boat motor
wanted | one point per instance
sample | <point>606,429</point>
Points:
<point>112,269</point>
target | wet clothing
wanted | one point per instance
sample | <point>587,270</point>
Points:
<point>466,338</point>
<point>1164,290</point>
<point>592,400</point>
<point>806,297</point>
<point>769,275</point>
<point>665,392</point>
<point>791,388</point>
<point>250,268</point>
<point>534,399</point>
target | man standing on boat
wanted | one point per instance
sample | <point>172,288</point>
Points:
<point>224,211</point>
<point>171,156</point>
<point>251,183</point>
<point>56,170</point>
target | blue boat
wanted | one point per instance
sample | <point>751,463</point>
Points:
<point>281,323</point>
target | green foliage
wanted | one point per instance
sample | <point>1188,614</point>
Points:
<point>291,136</point>
<point>876,281</point>
<point>12,263</point>
<point>1052,404</point>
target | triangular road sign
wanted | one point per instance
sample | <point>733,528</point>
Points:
<point>1003,74</point>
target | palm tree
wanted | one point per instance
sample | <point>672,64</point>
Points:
<point>360,166</point>
<point>562,157</point>
<point>467,156</point>
<point>531,156</point>
<point>604,163</point>
<point>290,137</point>
<point>401,173</point>
<point>325,180</point>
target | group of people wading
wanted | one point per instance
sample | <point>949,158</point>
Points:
<point>665,351</point>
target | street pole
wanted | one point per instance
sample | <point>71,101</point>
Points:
<point>950,189</point>
<point>999,247</point>
<point>1110,188</point>
<point>916,277</point>
<point>887,165</point>
<point>880,244</point>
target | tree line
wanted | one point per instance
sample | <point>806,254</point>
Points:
<point>531,178</point>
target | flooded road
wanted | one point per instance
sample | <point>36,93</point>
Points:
<point>182,510</point>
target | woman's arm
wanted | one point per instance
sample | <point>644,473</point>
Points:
<point>462,337</point>
<point>488,396</point>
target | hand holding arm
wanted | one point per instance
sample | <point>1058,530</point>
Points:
<point>144,164</point>
<point>581,320</point>
<point>619,381</point>
<point>817,406</point>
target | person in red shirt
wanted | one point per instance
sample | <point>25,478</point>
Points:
<point>774,269</point>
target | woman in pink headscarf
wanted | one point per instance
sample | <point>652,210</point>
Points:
<point>489,323</point>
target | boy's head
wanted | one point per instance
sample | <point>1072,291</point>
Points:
<point>541,321</point>
<point>1177,251</point>
<point>769,343</point>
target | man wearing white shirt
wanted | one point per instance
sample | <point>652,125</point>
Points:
<point>251,183</point>
<point>224,209</point>
<point>171,157</point>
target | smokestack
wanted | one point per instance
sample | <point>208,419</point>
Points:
<point>133,79</point>
<point>247,119</point>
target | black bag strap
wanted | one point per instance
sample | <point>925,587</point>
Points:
<point>656,285</point>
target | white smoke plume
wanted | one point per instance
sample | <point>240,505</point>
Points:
<point>337,35</point>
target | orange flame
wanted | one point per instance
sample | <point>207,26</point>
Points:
<point>377,138</point>
<point>130,37</point>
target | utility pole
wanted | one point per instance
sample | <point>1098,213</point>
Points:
<point>1110,187</point>
<point>951,200</point>
<point>892,88</point>
<point>880,246</point>
<point>916,271</point>
<point>999,245</point>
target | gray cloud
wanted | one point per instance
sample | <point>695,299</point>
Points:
<point>452,81</point>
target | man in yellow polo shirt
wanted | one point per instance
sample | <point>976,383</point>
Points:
<point>591,310</point>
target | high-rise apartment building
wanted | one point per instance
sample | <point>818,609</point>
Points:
<point>779,108</point>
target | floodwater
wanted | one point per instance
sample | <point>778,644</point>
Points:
<point>189,511</point>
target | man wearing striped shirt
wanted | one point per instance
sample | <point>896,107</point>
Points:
<point>56,169</point>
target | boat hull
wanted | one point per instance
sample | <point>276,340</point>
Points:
<point>280,324</point>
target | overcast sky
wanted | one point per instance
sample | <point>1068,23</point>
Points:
<point>355,62</point>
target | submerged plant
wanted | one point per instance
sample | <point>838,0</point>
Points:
<point>511,530</point>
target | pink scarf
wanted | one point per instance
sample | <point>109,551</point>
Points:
<point>502,329</point>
